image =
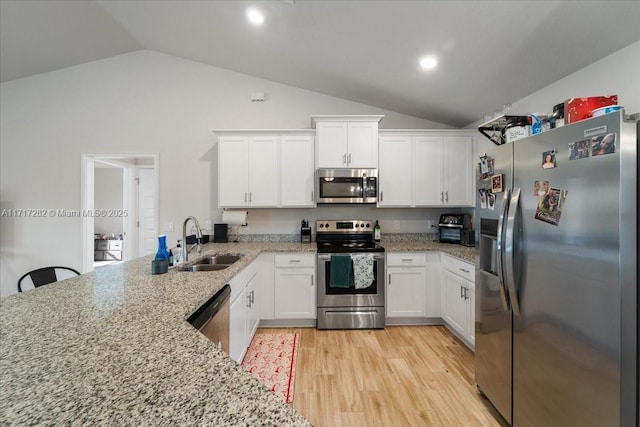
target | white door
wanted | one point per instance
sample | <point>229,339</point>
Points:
<point>395,175</point>
<point>233,171</point>
<point>406,291</point>
<point>263,171</point>
<point>362,143</point>
<point>146,212</point>
<point>238,326</point>
<point>455,308</point>
<point>297,171</point>
<point>332,144</point>
<point>295,293</point>
<point>428,171</point>
<point>458,170</point>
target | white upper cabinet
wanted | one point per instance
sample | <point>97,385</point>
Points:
<point>394,174</point>
<point>297,171</point>
<point>262,169</point>
<point>247,171</point>
<point>425,168</point>
<point>346,141</point>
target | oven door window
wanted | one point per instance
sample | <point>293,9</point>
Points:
<point>351,290</point>
<point>340,187</point>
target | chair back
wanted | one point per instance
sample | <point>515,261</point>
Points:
<point>44,276</point>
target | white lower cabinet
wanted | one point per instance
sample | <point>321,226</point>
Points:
<point>295,286</point>
<point>406,285</point>
<point>458,297</point>
<point>244,310</point>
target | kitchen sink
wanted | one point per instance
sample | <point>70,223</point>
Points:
<point>218,259</point>
<point>211,263</point>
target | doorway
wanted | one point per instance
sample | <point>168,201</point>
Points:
<point>124,188</point>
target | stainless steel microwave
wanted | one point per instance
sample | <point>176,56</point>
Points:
<point>347,185</point>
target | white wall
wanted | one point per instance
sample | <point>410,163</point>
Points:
<point>142,102</point>
<point>616,74</point>
<point>108,186</point>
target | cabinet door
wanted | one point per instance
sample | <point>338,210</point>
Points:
<point>406,291</point>
<point>362,145</point>
<point>455,307</point>
<point>297,171</point>
<point>395,175</point>
<point>295,293</point>
<point>434,286</point>
<point>331,144</point>
<point>263,175</point>
<point>428,171</point>
<point>253,308</point>
<point>237,327</point>
<point>471,332</point>
<point>233,171</point>
<point>458,170</point>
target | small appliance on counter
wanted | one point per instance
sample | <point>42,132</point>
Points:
<point>220,233</point>
<point>305,232</point>
<point>452,228</point>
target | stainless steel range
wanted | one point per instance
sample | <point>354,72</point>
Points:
<point>351,276</point>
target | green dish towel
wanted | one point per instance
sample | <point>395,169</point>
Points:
<point>340,271</point>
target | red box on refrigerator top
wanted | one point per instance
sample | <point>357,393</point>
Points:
<point>576,109</point>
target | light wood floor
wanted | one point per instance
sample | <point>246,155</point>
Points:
<point>399,376</point>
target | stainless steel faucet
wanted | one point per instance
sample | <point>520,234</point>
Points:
<point>184,236</point>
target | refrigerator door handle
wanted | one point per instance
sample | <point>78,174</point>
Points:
<point>500,251</point>
<point>509,247</point>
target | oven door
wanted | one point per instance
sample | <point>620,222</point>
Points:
<point>329,296</point>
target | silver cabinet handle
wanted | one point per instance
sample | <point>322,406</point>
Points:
<point>245,197</point>
<point>253,292</point>
<point>442,196</point>
<point>466,293</point>
<point>407,259</point>
<point>389,279</point>
<point>312,280</point>
<point>344,159</point>
<point>349,159</point>
<point>249,196</point>
<point>249,301</point>
<point>461,292</point>
<point>294,260</point>
<point>312,196</point>
<point>463,270</point>
<point>446,196</point>
<point>381,198</point>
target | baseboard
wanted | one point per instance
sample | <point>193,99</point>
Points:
<point>413,321</point>
<point>288,323</point>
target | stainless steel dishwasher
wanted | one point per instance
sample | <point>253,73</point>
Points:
<point>212,319</point>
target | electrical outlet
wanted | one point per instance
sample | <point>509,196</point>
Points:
<point>168,226</point>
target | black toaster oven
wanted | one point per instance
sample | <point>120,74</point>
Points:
<point>455,228</point>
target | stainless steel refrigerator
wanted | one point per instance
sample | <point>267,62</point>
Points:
<point>556,276</point>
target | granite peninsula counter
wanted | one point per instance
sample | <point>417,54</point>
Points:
<point>112,347</point>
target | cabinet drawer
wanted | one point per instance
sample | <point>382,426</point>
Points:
<point>406,259</point>
<point>458,267</point>
<point>295,260</point>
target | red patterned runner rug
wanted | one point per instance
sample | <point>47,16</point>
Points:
<point>272,359</point>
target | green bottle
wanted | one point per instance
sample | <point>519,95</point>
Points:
<point>376,232</point>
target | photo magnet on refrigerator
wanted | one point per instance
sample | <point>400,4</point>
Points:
<point>550,206</point>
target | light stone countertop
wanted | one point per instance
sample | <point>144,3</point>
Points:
<point>112,347</point>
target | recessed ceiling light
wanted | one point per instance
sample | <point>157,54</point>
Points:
<point>255,16</point>
<point>428,62</point>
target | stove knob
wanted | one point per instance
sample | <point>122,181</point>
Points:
<point>357,225</point>
<point>321,225</point>
<point>368,225</point>
<point>327,225</point>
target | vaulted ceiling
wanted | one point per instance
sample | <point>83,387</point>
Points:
<point>490,52</point>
